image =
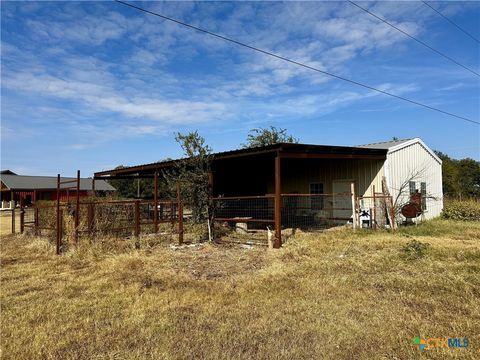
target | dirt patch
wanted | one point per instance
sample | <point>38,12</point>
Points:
<point>219,261</point>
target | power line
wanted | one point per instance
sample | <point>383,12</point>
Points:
<point>295,62</point>
<point>414,38</point>
<point>451,22</point>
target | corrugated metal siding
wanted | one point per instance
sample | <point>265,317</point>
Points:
<point>297,174</point>
<point>402,163</point>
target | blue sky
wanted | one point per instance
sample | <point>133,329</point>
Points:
<point>92,85</point>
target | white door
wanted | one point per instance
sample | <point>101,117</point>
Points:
<point>342,203</point>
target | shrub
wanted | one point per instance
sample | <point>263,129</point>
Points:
<point>415,250</point>
<point>468,210</point>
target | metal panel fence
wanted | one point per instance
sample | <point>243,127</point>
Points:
<point>316,211</point>
<point>69,222</point>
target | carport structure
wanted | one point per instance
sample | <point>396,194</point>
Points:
<point>284,184</point>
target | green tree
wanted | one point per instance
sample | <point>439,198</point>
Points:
<point>461,178</point>
<point>469,177</point>
<point>268,136</point>
<point>192,172</point>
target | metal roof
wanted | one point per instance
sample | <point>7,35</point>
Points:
<point>396,145</point>
<point>344,151</point>
<point>385,144</point>
<point>24,182</point>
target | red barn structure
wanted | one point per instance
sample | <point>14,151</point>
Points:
<point>29,189</point>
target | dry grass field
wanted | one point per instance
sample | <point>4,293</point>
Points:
<point>336,295</point>
<point>6,222</point>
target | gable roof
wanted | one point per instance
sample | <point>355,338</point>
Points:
<point>24,182</point>
<point>395,145</point>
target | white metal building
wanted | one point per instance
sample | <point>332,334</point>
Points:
<point>412,166</point>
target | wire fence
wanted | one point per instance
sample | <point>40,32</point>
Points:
<point>316,211</point>
<point>94,219</point>
<point>376,211</point>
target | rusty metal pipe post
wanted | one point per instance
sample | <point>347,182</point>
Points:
<point>374,219</point>
<point>155,203</point>
<point>354,206</point>
<point>137,219</point>
<point>36,220</point>
<point>180,214</point>
<point>278,203</point>
<point>77,207</point>
<point>13,221</point>
<point>22,216</point>
<point>59,237</point>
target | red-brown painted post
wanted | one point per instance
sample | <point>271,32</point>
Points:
<point>155,203</point>
<point>374,222</point>
<point>59,237</point>
<point>60,230</point>
<point>22,216</point>
<point>137,218</point>
<point>13,221</point>
<point>37,222</point>
<point>211,208</point>
<point>77,207</point>
<point>278,204</point>
<point>354,205</point>
<point>180,215</point>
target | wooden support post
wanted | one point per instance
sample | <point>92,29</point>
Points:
<point>13,220</point>
<point>93,187</point>
<point>374,218</point>
<point>36,220</point>
<point>278,203</point>
<point>354,207</point>
<point>59,237</point>
<point>392,209</point>
<point>34,196</point>
<point>180,214</point>
<point>77,207</point>
<point>155,203</point>
<point>211,209</point>
<point>22,216</point>
<point>60,229</point>
<point>137,219</point>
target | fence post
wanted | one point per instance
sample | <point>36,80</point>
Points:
<point>13,220</point>
<point>137,218</point>
<point>59,236</point>
<point>77,207</point>
<point>180,215</point>
<point>354,206</point>
<point>278,204</point>
<point>374,218</point>
<point>155,202</point>
<point>22,217</point>
<point>36,220</point>
<point>211,208</point>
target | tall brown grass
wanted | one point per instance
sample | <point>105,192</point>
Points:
<point>338,295</point>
